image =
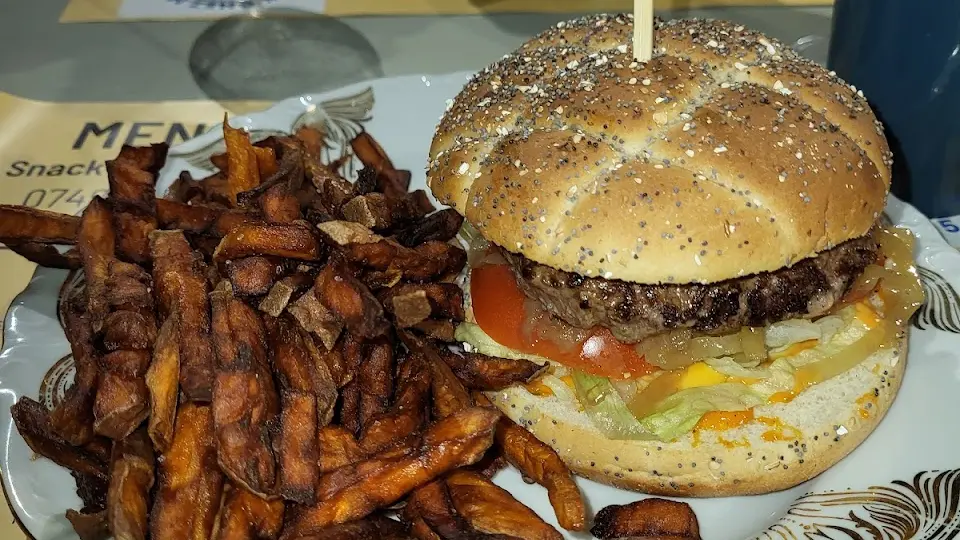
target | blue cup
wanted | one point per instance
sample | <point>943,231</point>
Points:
<point>905,56</point>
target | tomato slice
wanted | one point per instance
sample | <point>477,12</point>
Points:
<point>499,308</point>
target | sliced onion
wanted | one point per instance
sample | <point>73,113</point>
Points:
<point>752,341</point>
<point>667,351</point>
<point>714,346</point>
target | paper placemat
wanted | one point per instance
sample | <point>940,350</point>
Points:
<point>51,157</point>
<point>120,10</point>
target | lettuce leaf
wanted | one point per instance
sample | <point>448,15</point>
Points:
<point>606,409</point>
<point>778,376</point>
<point>679,413</point>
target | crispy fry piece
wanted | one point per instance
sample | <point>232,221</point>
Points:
<point>279,204</point>
<point>293,241</point>
<point>201,219</point>
<point>245,402</point>
<point>190,482</point>
<point>296,448</point>
<point>253,276</point>
<point>92,490</point>
<point>491,509</point>
<point>131,478</point>
<point>308,397</point>
<point>390,181</point>
<point>440,330</point>
<point>541,463</point>
<point>315,318</point>
<point>349,415</point>
<point>361,246</point>
<point>432,515</point>
<point>20,224</point>
<point>376,380</point>
<point>245,516</point>
<point>378,212</point>
<point>243,170</point>
<point>72,419</point>
<point>163,382</point>
<point>47,255</point>
<point>449,394</point>
<point>407,414</point>
<point>337,448</point>
<point>122,401</point>
<point>412,303</point>
<point>453,442</point>
<point>33,423</point>
<point>279,295</point>
<point>350,300</point>
<point>440,226</point>
<point>96,243</point>
<point>213,189</point>
<point>181,286</point>
<point>481,372</point>
<point>373,526</point>
<point>653,518</point>
<point>89,526</point>
<point>132,178</point>
<point>266,161</point>
<point>332,358</point>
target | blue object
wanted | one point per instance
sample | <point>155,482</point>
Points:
<point>905,57</point>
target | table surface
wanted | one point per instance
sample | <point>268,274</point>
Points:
<point>271,59</point>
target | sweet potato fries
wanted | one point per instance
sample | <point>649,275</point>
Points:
<point>261,355</point>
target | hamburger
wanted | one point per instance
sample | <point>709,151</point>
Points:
<point>695,244</point>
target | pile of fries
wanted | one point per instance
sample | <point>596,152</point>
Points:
<point>267,353</point>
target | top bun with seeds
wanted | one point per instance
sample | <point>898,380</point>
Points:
<point>727,154</point>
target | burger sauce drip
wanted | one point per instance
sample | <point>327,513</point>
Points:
<point>504,313</point>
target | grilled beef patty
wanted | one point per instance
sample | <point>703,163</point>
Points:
<point>634,311</point>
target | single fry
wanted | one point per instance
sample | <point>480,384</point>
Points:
<point>243,170</point>
<point>350,300</point>
<point>47,255</point>
<point>279,204</point>
<point>541,463</point>
<point>89,526</point>
<point>456,441</point>
<point>490,509</point>
<point>253,276</point>
<point>72,419</point>
<point>122,402</point>
<point>200,219</point>
<point>336,447</point>
<point>449,394</point>
<point>131,478</point>
<point>245,516</point>
<point>190,482</point>
<point>266,161</point>
<point>245,402</point>
<point>20,224</point>
<point>181,286</point>
<point>376,380</point>
<point>647,518</point>
<point>295,241</point>
<point>431,514</point>
<point>407,414</point>
<point>482,372</point>
<point>162,380</point>
<point>441,226</point>
<point>33,423</point>
<point>296,447</point>
<point>96,243</point>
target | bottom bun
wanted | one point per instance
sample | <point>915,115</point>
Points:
<point>787,444</point>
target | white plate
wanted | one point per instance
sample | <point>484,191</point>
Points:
<point>903,482</point>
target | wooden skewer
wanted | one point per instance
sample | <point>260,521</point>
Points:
<point>642,30</point>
